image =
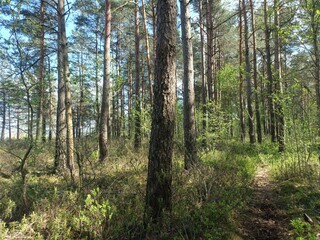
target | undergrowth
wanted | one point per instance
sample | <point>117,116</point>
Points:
<point>109,200</point>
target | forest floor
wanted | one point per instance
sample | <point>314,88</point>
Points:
<point>265,218</point>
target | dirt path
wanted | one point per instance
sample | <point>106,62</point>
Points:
<point>264,218</point>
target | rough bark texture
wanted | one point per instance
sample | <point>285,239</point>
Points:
<point>209,49</point>
<point>269,75</point>
<point>203,77</point>
<point>252,136</point>
<point>4,110</point>
<point>315,30</point>
<point>41,75</point>
<point>242,122</point>
<point>137,135</point>
<point>147,50</point>
<point>61,129</point>
<point>189,123</point>
<point>105,101</point>
<point>255,76</point>
<point>66,78</point>
<point>159,191</point>
<point>278,79</point>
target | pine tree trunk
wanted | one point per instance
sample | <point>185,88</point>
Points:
<point>137,134</point>
<point>66,77</point>
<point>252,136</point>
<point>105,100</point>
<point>255,76</point>
<point>278,79</point>
<point>159,181</point>
<point>41,76</point>
<point>269,75</point>
<point>209,49</point>
<point>241,101</point>
<point>189,123</point>
<point>203,77</point>
<point>4,110</point>
<point>147,51</point>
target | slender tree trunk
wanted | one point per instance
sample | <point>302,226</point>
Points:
<point>51,129</point>
<point>159,181</point>
<point>203,77</point>
<point>154,25</point>
<point>41,76</point>
<point>104,118</point>
<point>255,76</point>
<point>97,76</point>
<point>252,136</point>
<point>137,135</point>
<point>66,79</point>
<point>18,125</point>
<point>9,124</point>
<point>130,97</point>
<point>269,75</point>
<point>189,123</point>
<point>147,51</point>
<point>4,110</point>
<point>209,49</point>
<point>241,101</point>
<point>278,79</point>
<point>315,43</point>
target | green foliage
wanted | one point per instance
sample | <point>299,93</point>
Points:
<point>303,230</point>
<point>95,214</point>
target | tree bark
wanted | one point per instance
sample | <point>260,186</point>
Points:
<point>252,136</point>
<point>242,122</point>
<point>189,123</point>
<point>66,78</point>
<point>137,135</point>
<point>278,79</point>
<point>4,110</point>
<point>203,77</point>
<point>159,181</point>
<point>209,21</point>
<point>255,76</point>
<point>41,75</point>
<point>269,75</point>
<point>147,51</point>
<point>315,44</point>
<point>105,101</point>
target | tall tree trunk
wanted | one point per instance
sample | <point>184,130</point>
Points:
<point>50,103</point>
<point>241,101</point>
<point>130,97</point>
<point>137,135</point>
<point>105,101</point>
<point>278,80</point>
<point>255,76</point>
<point>159,181</point>
<point>18,125</point>
<point>66,78</point>
<point>147,50</point>
<point>269,75</point>
<point>252,136</point>
<point>189,123</point>
<point>4,110</point>
<point>209,49</point>
<point>203,76</point>
<point>61,130</point>
<point>315,43</point>
<point>97,105</point>
<point>41,76</point>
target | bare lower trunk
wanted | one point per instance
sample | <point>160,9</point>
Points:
<point>255,76</point>
<point>252,136</point>
<point>189,123</point>
<point>137,135</point>
<point>105,101</point>
<point>159,181</point>
<point>269,75</point>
